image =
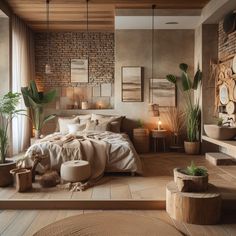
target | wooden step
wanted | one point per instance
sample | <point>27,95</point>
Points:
<point>218,158</point>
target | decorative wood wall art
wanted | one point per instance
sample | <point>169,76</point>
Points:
<point>226,84</point>
<point>163,92</point>
<point>132,83</point>
<point>224,94</point>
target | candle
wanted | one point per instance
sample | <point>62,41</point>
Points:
<point>159,125</point>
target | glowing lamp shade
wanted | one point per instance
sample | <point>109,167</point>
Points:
<point>47,69</point>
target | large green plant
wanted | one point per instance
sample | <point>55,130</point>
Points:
<point>8,111</point>
<point>193,112</point>
<point>36,101</point>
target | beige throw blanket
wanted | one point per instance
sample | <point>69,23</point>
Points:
<point>66,148</point>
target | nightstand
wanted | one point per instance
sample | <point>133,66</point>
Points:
<point>159,135</point>
<point>141,140</point>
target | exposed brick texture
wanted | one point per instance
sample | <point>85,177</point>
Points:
<point>227,43</point>
<point>73,45</point>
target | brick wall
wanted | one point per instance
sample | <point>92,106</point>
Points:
<point>227,44</point>
<point>73,45</point>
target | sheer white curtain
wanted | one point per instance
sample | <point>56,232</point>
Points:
<point>22,72</point>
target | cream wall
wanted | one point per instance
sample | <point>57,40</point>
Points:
<point>133,48</point>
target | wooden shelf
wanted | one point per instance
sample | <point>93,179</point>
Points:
<point>229,144</point>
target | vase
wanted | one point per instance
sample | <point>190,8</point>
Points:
<point>6,178</point>
<point>192,148</point>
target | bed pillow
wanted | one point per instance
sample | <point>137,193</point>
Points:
<point>115,121</point>
<point>73,128</point>
<point>97,126</point>
<point>64,122</point>
<point>84,118</point>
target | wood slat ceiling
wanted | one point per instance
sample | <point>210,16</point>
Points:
<point>67,15</point>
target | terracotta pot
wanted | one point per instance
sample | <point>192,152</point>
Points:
<point>192,148</point>
<point>189,183</point>
<point>6,178</point>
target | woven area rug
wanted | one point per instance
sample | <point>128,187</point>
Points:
<point>109,223</point>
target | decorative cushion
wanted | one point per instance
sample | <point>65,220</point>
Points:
<point>97,126</point>
<point>64,121</point>
<point>115,121</point>
<point>84,118</point>
<point>73,128</point>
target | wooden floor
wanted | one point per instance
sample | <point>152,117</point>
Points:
<point>122,188</point>
<point>26,223</point>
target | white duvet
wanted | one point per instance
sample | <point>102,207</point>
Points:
<point>106,151</point>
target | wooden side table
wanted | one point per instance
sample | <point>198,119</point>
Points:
<point>159,135</point>
<point>141,140</point>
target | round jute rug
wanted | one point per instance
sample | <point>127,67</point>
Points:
<point>109,223</point>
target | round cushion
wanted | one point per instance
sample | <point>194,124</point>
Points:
<point>75,171</point>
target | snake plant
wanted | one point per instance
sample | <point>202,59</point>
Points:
<point>193,111</point>
<point>36,101</point>
<point>8,110</point>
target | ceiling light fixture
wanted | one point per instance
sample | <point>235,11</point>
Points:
<point>172,23</point>
<point>47,66</point>
<point>88,44</point>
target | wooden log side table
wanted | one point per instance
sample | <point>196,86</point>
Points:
<point>194,208</point>
<point>159,135</point>
<point>141,140</point>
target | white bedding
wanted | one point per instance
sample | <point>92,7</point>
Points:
<point>112,150</point>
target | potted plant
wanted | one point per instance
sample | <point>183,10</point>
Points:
<point>191,179</point>
<point>8,111</point>
<point>192,112</point>
<point>36,101</point>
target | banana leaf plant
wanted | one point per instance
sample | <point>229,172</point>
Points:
<point>8,110</point>
<point>193,111</point>
<point>36,101</point>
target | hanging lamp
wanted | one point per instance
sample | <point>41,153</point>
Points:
<point>87,29</point>
<point>154,108</point>
<point>47,66</point>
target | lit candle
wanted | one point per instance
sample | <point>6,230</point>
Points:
<point>159,125</point>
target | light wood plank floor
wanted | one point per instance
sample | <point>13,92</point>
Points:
<point>158,170</point>
<point>26,223</point>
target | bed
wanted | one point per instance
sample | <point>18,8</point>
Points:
<point>106,150</point>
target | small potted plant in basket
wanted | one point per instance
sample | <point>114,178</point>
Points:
<point>191,179</point>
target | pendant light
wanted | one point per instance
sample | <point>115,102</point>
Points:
<point>87,29</point>
<point>154,108</point>
<point>47,66</point>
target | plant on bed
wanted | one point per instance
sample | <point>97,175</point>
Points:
<point>8,111</point>
<point>192,112</point>
<point>36,101</point>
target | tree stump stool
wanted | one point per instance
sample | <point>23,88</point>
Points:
<point>194,208</point>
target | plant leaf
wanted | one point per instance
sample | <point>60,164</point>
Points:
<point>183,67</point>
<point>197,79</point>
<point>171,78</point>
<point>34,90</point>
<point>186,82</point>
<point>48,118</point>
<point>49,96</point>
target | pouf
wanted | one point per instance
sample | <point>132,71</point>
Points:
<point>75,171</point>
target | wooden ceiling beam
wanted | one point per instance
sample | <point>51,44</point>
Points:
<point>72,13</point>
